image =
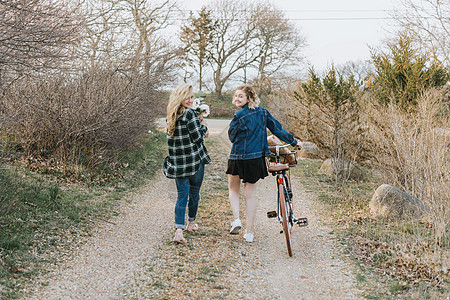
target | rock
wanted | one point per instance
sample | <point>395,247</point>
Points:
<point>395,204</point>
<point>343,168</point>
<point>309,150</point>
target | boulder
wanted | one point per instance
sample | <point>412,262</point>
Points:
<point>395,204</point>
<point>309,150</point>
<point>343,167</point>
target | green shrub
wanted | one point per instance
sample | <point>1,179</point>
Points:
<point>331,115</point>
<point>403,73</point>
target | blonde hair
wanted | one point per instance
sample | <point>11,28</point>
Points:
<point>252,96</point>
<point>174,108</point>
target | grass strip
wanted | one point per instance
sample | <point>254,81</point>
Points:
<point>41,214</point>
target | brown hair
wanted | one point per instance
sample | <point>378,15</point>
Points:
<point>252,96</point>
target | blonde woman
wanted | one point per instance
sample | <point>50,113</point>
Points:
<point>248,135</point>
<point>187,156</point>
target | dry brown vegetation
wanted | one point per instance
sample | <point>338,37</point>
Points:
<point>409,150</point>
<point>90,119</point>
<point>74,91</point>
<point>412,151</point>
<point>36,36</point>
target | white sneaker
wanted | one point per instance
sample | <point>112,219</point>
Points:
<point>235,226</point>
<point>249,237</point>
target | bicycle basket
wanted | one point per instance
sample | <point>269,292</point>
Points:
<point>289,158</point>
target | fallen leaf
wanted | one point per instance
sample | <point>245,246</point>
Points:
<point>17,270</point>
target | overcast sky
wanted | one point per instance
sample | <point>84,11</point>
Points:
<point>337,31</point>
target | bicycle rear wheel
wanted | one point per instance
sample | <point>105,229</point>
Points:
<point>285,218</point>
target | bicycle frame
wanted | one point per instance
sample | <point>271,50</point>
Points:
<point>283,181</point>
<point>284,211</point>
<point>284,177</point>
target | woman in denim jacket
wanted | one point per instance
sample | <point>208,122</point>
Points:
<point>248,135</point>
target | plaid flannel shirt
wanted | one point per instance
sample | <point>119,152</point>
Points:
<point>186,148</point>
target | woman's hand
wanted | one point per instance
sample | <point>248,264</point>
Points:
<point>203,122</point>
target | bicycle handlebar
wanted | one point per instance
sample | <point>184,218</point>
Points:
<point>278,147</point>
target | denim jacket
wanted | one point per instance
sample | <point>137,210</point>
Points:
<point>248,133</point>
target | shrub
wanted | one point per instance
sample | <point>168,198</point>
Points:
<point>87,119</point>
<point>330,113</point>
<point>402,73</point>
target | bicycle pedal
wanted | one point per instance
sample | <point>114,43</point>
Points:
<point>272,214</point>
<point>302,222</point>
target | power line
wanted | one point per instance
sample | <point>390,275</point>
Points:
<point>312,10</point>
<point>294,18</point>
<point>298,19</point>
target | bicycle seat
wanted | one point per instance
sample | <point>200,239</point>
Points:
<point>278,167</point>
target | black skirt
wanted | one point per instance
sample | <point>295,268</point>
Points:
<point>249,170</point>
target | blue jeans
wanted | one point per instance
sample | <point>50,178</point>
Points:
<point>188,189</point>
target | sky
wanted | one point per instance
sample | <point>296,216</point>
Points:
<point>336,31</point>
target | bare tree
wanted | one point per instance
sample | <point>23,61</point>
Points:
<point>151,53</point>
<point>429,23</point>
<point>280,43</point>
<point>360,70</point>
<point>104,40</point>
<point>129,34</point>
<point>36,34</point>
<point>234,38</point>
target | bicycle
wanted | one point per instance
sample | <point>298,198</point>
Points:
<point>284,213</point>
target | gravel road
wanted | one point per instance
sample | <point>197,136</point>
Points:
<point>104,267</point>
<point>116,249</point>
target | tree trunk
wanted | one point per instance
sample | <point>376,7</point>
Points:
<point>219,84</point>
<point>201,75</point>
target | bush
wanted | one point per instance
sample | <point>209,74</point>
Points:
<point>88,119</point>
<point>402,73</point>
<point>331,115</point>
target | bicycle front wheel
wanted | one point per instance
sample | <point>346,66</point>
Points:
<point>285,218</point>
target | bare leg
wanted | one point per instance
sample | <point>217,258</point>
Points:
<point>234,184</point>
<point>250,204</point>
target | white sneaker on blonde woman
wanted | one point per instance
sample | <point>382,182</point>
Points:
<point>235,226</point>
<point>249,237</point>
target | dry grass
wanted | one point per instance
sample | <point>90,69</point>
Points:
<point>411,149</point>
<point>395,259</point>
<point>413,153</point>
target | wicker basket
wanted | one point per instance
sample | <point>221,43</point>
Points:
<point>289,158</point>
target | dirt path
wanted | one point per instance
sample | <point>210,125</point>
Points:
<point>315,271</point>
<point>116,249</point>
<point>133,258</point>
